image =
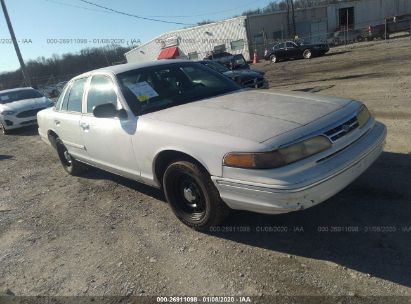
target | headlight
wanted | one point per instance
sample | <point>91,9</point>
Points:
<point>363,116</point>
<point>6,113</point>
<point>278,158</point>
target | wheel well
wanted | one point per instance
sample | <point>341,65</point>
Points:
<point>52,138</point>
<point>165,158</point>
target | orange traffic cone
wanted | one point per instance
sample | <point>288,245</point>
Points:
<point>255,59</point>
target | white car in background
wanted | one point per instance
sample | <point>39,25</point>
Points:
<point>208,143</point>
<point>19,107</point>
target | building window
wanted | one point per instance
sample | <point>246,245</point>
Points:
<point>193,56</point>
<point>219,48</point>
<point>237,45</point>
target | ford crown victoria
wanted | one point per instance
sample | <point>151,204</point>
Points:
<point>209,144</point>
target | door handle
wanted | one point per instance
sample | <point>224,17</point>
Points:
<point>85,126</point>
<point>57,122</point>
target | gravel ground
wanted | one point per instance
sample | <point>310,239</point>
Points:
<point>101,234</point>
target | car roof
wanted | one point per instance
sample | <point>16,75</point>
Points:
<point>16,89</point>
<point>121,68</point>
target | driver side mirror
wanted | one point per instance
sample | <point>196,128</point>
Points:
<point>108,110</point>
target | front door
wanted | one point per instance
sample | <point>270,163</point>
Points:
<point>108,140</point>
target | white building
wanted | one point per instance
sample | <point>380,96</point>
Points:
<point>195,42</point>
<point>260,32</point>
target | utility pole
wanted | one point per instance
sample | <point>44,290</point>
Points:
<point>293,16</point>
<point>288,19</point>
<point>16,46</point>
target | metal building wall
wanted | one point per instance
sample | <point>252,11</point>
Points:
<point>267,29</point>
<point>201,39</point>
<point>368,12</point>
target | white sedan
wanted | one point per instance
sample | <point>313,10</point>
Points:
<point>19,107</point>
<point>209,144</point>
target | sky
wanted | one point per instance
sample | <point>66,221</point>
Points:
<point>47,27</point>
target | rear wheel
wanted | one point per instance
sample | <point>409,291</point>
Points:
<point>70,164</point>
<point>192,196</point>
<point>273,59</point>
<point>307,54</point>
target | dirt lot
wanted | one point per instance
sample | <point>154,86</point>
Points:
<point>100,234</point>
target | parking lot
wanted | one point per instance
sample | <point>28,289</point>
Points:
<point>100,234</point>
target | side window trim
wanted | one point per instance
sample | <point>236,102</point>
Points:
<point>68,91</point>
<point>63,95</point>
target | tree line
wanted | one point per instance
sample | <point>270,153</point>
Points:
<point>284,5</point>
<point>47,71</point>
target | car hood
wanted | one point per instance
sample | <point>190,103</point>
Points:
<point>28,104</point>
<point>252,114</point>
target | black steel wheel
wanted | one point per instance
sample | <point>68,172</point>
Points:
<point>192,196</point>
<point>70,164</point>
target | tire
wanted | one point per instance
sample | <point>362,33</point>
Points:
<point>192,196</point>
<point>3,129</point>
<point>273,59</point>
<point>70,164</point>
<point>307,54</point>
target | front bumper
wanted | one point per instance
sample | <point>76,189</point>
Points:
<point>272,199</point>
<point>13,122</point>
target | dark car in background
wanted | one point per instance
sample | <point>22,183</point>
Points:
<point>391,25</point>
<point>245,78</point>
<point>295,50</point>
<point>232,62</point>
<point>342,36</point>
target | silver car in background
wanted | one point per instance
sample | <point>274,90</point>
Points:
<point>209,144</point>
<point>19,107</point>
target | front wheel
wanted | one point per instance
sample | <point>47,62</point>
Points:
<point>70,164</point>
<point>192,196</point>
<point>307,54</point>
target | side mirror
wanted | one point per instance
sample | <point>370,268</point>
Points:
<point>108,110</point>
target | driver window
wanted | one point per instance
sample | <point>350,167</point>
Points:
<point>290,45</point>
<point>101,92</point>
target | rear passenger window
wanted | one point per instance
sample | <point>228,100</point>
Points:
<point>74,97</point>
<point>61,97</point>
<point>101,92</point>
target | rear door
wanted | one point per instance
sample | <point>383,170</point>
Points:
<point>108,140</point>
<point>280,51</point>
<point>67,118</point>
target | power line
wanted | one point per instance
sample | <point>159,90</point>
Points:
<point>209,13</point>
<point>78,6</point>
<point>132,15</point>
<point>149,17</point>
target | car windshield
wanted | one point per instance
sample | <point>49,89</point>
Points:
<point>158,87</point>
<point>216,66</point>
<point>19,95</point>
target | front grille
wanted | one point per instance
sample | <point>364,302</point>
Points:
<point>342,129</point>
<point>29,113</point>
<point>29,122</point>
